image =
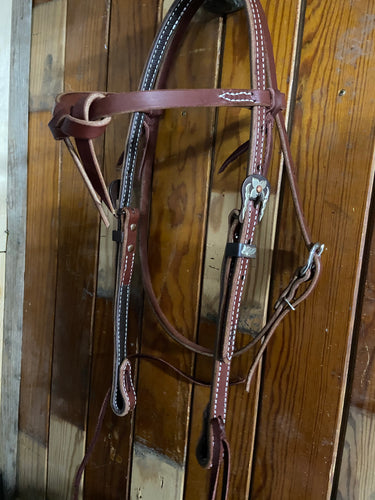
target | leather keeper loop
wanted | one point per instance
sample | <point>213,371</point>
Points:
<point>278,102</point>
<point>240,250</point>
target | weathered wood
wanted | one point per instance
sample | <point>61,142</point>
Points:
<point>32,468</point>
<point>306,364</point>
<point>357,479</point>
<point>85,68</point>
<point>39,297</point>
<point>5,42</point>
<point>46,76</point>
<point>65,452</point>
<point>356,474</point>
<point>16,161</point>
<point>47,54</point>
<point>131,33</point>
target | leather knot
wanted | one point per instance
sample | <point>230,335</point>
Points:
<point>72,119</point>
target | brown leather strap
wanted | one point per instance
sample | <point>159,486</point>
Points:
<point>85,116</point>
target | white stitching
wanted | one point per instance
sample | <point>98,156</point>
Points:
<point>234,94</point>
<point>149,80</point>
<point>217,391</point>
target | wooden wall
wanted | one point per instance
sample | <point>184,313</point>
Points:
<point>305,431</point>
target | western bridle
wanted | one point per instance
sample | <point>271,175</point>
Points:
<point>85,115</point>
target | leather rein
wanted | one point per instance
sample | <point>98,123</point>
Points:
<point>85,116</point>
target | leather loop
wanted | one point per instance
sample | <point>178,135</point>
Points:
<point>278,102</point>
<point>127,387</point>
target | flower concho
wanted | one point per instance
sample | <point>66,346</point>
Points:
<point>255,188</point>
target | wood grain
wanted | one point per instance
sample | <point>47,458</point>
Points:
<point>41,247</point>
<point>47,54</point>
<point>356,477</point>
<point>306,365</point>
<point>232,130</point>
<point>85,68</point>
<point>32,468</point>
<point>16,164</point>
<point>39,298</point>
<point>131,32</point>
<point>357,480</point>
<point>179,211</point>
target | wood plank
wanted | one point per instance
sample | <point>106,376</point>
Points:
<point>357,479</point>
<point>65,452</point>
<point>131,33</point>
<point>47,54</point>
<point>46,78</point>
<point>5,41</point>
<point>232,130</point>
<point>107,472</point>
<point>32,468</point>
<point>39,297</point>
<point>306,364</point>
<point>155,476</point>
<point>85,69</point>
<point>2,300</point>
<point>356,475</point>
<point>16,161</point>
<point>179,211</point>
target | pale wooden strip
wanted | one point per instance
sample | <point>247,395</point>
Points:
<point>67,448</point>
<point>155,476</point>
<point>5,37</point>
<point>2,285</point>
<point>47,54</point>
<point>32,475</point>
<point>15,265</point>
<point>166,6</point>
<point>358,480</point>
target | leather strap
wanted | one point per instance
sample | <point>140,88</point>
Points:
<point>85,116</point>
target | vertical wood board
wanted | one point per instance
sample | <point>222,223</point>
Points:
<point>178,215</point>
<point>356,474</point>
<point>306,364</point>
<point>85,69</point>
<point>15,247</point>
<point>232,130</point>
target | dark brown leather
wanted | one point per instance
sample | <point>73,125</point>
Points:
<point>85,116</point>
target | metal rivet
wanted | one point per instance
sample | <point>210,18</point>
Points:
<point>130,248</point>
<point>133,227</point>
<point>259,189</point>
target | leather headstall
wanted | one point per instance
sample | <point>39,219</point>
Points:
<point>85,116</point>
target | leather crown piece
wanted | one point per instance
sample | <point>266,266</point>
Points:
<point>85,116</point>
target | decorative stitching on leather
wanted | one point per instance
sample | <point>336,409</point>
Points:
<point>149,80</point>
<point>125,268</point>
<point>217,391</point>
<point>226,395</point>
<point>132,386</point>
<point>261,80</point>
<point>129,167</point>
<point>234,94</point>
